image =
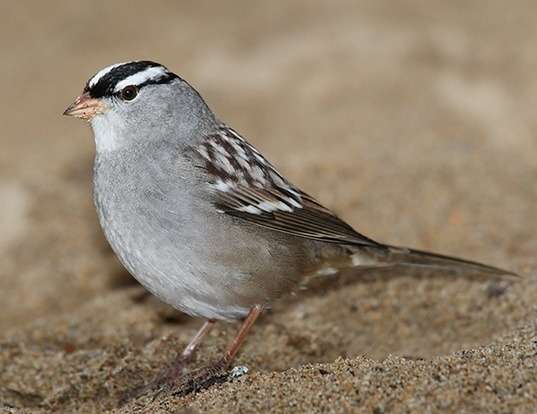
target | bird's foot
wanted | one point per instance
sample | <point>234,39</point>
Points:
<point>161,383</point>
<point>173,381</point>
<point>202,378</point>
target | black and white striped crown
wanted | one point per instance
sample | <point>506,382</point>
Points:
<point>114,78</point>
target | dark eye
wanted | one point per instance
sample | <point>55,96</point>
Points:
<point>128,93</point>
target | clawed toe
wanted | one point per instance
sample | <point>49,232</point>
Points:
<point>164,381</point>
<point>173,381</point>
<point>202,378</point>
<point>154,389</point>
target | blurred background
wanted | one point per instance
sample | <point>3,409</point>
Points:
<point>413,120</point>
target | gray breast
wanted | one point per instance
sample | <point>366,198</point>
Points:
<point>157,216</point>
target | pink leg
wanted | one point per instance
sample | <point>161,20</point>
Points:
<point>217,372</point>
<point>176,368</point>
<point>243,331</point>
<point>194,343</point>
<point>171,374</point>
<point>183,384</point>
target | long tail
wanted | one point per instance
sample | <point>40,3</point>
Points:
<point>403,256</point>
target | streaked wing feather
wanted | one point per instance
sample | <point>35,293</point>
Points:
<point>308,222</point>
<point>254,191</point>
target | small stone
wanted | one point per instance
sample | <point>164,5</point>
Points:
<point>238,371</point>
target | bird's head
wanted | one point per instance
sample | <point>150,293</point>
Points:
<point>137,100</point>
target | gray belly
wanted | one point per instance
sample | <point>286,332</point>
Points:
<point>197,260</point>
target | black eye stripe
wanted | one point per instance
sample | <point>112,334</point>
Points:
<point>163,79</point>
<point>106,84</point>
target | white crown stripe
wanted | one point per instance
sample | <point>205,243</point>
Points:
<point>148,74</point>
<point>99,75</point>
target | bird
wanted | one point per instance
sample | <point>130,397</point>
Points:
<point>201,218</point>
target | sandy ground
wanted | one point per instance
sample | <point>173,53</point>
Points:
<point>413,120</point>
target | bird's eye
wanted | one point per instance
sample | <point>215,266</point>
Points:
<point>128,93</point>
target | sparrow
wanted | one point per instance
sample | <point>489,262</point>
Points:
<point>201,218</point>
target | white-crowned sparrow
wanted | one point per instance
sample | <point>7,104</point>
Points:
<point>199,216</point>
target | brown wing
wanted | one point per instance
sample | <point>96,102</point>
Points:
<point>246,185</point>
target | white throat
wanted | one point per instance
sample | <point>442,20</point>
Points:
<point>107,130</point>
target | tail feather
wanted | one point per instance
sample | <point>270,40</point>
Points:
<point>402,256</point>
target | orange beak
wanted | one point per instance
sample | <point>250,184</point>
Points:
<point>85,107</point>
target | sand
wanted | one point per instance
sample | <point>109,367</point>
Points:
<point>415,121</point>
